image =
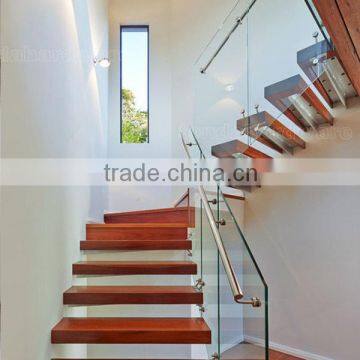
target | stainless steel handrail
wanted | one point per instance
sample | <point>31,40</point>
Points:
<point>238,22</point>
<point>234,284</point>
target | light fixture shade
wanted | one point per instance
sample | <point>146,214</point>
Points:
<point>103,62</point>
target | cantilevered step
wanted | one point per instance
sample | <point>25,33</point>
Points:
<point>116,295</point>
<point>182,215</point>
<point>271,132</point>
<point>322,66</point>
<point>135,245</point>
<point>141,231</point>
<point>237,149</point>
<point>109,268</point>
<point>131,331</point>
<point>299,103</point>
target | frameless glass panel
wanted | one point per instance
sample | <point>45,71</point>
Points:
<point>243,327</point>
<point>267,80</point>
<point>221,91</point>
<point>134,79</point>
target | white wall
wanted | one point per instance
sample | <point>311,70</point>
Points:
<point>306,240</point>
<point>51,108</point>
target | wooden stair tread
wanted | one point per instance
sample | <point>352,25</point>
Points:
<point>134,268</point>
<point>178,215</point>
<point>137,231</point>
<point>149,211</point>
<point>107,295</point>
<point>279,95</point>
<point>131,331</point>
<point>136,245</point>
<point>137,225</point>
<point>263,119</point>
<point>228,149</point>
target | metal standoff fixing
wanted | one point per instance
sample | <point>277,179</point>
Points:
<point>257,106</point>
<point>243,113</point>
<point>221,222</point>
<point>213,201</point>
<point>316,36</point>
<point>199,284</point>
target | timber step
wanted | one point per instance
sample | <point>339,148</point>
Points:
<point>299,103</point>
<point>178,215</point>
<point>131,331</point>
<point>114,295</point>
<point>333,83</point>
<point>235,149</point>
<point>134,268</point>
<point>270,132</point>
<point>132,245</point>
<point>137,231</point>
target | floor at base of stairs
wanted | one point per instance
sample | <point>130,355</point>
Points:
<point>274,355</point>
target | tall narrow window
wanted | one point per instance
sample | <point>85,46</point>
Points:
<point>134,82</point>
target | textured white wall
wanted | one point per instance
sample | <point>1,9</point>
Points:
<point>51,108</point>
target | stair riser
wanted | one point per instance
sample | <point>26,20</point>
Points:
<point>160,233</point>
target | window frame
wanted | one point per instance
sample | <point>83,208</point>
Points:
<point>147,28</point>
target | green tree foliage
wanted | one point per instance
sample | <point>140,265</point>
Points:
<point>134,121</point>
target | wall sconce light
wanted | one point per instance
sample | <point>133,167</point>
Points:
<point>229,88</point>
<point>104,62</point>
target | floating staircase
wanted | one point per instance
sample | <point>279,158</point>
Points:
<point>161,229</point>
<point>298,102</point>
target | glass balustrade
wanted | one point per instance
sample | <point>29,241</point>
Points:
<point>268,75</point>
<point>237,315</point>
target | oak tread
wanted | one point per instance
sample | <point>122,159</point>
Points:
<point>150,211</point>
<point>111,295</point>
<point>122,245</point>
<point>134,268</point>
<point>131,331</point>
<point>137,225</point>
<point>137,231</point>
